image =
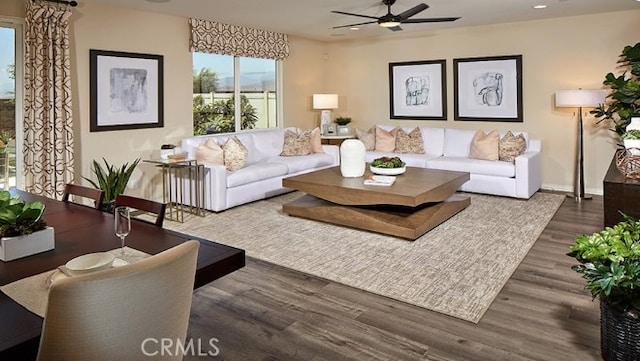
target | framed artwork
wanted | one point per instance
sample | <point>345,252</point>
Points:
<point>418,90</point>
<point>488,88</point>
<point>126,90</point>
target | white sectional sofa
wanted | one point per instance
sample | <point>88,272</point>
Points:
<point>262,176</point>
<point>448,149</point>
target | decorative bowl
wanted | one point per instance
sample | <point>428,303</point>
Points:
<point>90,263</point>
<point>387,171</point>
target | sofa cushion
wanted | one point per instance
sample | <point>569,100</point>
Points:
<point>302,163</point>
<point>296,144</point>
<point>511,146</point>
<point>255,172</point>
<point>210,153</point>
<point>235,154</point>
<point>457,142</point>
<point>264,144</point>
<point>386,140</point>
<point>485,145</point>
<point>473,166</point>
<point>433,140</point>
<point>409,143</point>
<point>368,138</point>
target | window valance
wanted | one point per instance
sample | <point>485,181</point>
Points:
<point>212,37</point>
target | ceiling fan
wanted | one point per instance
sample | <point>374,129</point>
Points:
<point>392,22</point>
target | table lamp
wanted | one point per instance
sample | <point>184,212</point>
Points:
<point>578,99</point>
<point>325,102</point>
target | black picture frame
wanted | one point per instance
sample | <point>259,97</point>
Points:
<point>126,90</point>
<point>488,88</point>
<point>418,90</point>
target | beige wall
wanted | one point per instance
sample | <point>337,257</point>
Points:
<point>557,54</point>
<point>565,53</point>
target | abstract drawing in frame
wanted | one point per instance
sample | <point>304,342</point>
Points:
<point>488,88</point>
<point>417,90</point>
<point>126,90</point>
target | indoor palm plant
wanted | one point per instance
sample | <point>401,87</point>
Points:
<point>624,99</point>
<point>610,263</point>
<point>112,180</point>
<point>22,230</point>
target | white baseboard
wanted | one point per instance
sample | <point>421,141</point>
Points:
<point>569,189</point>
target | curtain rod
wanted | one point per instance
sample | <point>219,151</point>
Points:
<point>70,3</point>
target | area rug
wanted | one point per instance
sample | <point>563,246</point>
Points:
<point>457,268</point>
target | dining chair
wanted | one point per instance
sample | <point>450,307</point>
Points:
<point>143,205</point>
<point>123,313</point>
<point>92,193</point>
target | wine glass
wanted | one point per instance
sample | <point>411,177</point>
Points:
<point>122,224</point>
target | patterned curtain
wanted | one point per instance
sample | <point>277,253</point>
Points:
<point>48,123</point>
<point>211,37</point>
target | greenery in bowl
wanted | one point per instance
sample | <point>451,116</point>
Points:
<point>343,120</point>
<point>610,262</point>
<point>388,162</point>
<point>18,218</point>
<point>631,134</point>
<point>624,98</point>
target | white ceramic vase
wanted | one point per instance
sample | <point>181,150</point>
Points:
<point>352,164</point>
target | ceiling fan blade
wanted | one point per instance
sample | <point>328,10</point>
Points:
<point>395,28</point>
<point>414,10</point>
<point>362,16</point>
<point>430,20</point>
<point>350,25</point>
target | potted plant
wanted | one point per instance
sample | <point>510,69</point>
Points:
<point>5,138</point>
<point>343,125</point>
<point>610,263</point>
<point>111,180</point>
<point>631,139</point>
<point>624,99</point>
<point>166,150</point>
<point>22,230</point>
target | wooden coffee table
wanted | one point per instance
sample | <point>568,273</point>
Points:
<point>418,201</point>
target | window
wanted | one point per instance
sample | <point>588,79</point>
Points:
<point>232,93</point>
<point>10,99</point>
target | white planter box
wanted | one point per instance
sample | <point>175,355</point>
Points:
<point>17,247</point>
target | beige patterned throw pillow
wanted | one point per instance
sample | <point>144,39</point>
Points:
<point>296,144</point>
<point>316,141</point>
<point>235,154</point>
<point>386,141</point>
<point>485,146</point>
<point>210,152</point>
<point>512,146</point>
<point>368,138</point>
<point>409,143</point>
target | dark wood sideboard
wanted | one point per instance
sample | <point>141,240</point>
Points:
<point>620,195</point>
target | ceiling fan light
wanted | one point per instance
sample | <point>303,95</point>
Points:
<point>389,24</point>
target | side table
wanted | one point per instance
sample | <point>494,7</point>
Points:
<point>620,194</point>
<point>335,139</point>
<point>174,190</point>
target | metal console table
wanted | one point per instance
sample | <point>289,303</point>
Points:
<point>181,197</point>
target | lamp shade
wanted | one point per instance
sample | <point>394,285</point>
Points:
<point>325,101</point>
<point>579,98</point>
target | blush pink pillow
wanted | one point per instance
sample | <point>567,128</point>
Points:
<point>386,141</point>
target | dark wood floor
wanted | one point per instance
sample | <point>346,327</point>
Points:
<point>267,312</point>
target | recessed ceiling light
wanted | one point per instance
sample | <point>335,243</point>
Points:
<point>357,28</point>
<point>544,6</point>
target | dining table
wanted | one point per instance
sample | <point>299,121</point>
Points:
<point>81,229</point>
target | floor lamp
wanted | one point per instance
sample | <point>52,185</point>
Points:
<point>579,99</point>
<point>325,102</point>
